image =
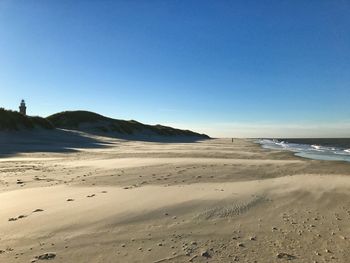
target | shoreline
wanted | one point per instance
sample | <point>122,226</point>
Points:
<point>308,150</point>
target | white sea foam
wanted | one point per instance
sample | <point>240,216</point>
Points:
<point>317,147</point>
<point>318,152</point>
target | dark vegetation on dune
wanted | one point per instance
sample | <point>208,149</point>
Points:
<point>67,137</point>
<point>13,121</point>
<point>89,121</point>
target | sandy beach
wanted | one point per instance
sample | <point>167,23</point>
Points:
<point>206,201</point>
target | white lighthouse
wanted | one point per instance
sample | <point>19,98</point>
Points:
<point>23,108</point>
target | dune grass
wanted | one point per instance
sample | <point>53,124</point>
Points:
<point>80,120</point>
<point>77,119</point>
<point>13,120</point>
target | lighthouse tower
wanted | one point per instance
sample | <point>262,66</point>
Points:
<point>23,108</point>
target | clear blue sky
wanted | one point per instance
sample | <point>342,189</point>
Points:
<point>228,68</point>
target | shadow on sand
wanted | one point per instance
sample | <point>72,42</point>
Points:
<point>68,141</point>
<point>148,136</point>
<point>60,141</point>
<point>156,139</point>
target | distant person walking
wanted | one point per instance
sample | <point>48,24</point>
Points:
<point>232,139</point>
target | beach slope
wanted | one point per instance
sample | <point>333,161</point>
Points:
<point>208,201</point>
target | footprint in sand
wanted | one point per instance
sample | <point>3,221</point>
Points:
<point>24,216</point>
<point>16,218</point>
<point>46,256</point>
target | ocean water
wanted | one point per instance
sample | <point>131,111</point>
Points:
<point>318,149</point>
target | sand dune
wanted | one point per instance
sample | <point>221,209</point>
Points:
<point>210,201</point>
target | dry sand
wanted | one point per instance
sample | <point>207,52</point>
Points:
<point>209,201</point>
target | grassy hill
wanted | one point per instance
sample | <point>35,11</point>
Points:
<point>92,122</point>
<point>13,120</point>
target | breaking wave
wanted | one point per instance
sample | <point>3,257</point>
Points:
<point>312,151</point>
